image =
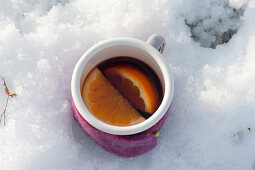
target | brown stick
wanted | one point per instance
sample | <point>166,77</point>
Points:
<point>3,114</point>
<point>7,92</point>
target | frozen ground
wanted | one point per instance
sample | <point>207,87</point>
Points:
<point>212,119</point>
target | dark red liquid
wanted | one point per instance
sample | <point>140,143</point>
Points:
<point>122,85</point>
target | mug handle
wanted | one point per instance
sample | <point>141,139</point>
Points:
<point>157,41</point>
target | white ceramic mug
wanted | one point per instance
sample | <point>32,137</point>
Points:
<point>147,52</point>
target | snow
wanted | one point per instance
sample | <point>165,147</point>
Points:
<point>211,122</point>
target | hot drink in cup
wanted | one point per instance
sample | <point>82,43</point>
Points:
<point>122,91</point>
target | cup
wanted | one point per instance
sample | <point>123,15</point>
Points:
<point>132,140</point>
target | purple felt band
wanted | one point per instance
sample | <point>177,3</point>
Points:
<point>126,146</point>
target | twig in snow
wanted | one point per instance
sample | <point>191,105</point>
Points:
<point>7,92</point>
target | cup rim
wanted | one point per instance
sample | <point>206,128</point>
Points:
<point>119,130</point>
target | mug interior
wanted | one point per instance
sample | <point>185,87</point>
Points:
<point>136,49</point>
<point>122,51</point>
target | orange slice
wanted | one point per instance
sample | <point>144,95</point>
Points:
<point>106,103</point>
<point>134,85</point>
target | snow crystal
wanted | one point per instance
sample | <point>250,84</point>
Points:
<point>211,121</point>
<point>43,65</point>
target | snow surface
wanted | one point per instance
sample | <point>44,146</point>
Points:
<point>212,119</point>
